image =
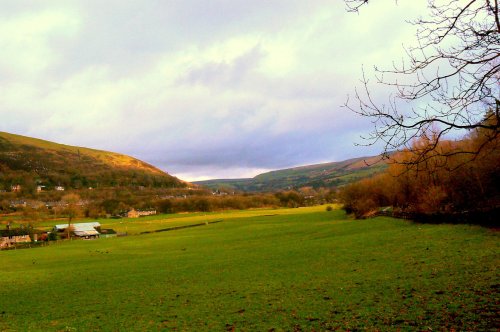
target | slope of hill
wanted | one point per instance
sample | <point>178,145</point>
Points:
<point>30,161</point>
<point>332,174</point>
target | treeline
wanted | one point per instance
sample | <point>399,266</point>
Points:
<point>435,179</point>
<point>210,203</point>
<point>116,203</point>
<point>204,201</point>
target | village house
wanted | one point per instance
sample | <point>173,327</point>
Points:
<point>8,241</point>
<point>87,230</point>
<point>53,204</point>
<point>18,204</point>
<point>15,188</point>
<point>140,213</point>
<point>34,204</point>
<point>59,188</point>
<point>39,189</point>
<point>133,214</point>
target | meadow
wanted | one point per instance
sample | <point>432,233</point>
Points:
<point>262,270</point>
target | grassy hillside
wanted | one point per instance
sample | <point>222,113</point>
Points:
<point>319,175</point>
<point>310,270</point>
<point>27,161</point>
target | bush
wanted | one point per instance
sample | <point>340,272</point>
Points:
<point>52,236</point>
<point>329,208</point>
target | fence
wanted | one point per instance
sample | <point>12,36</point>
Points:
<point>182,227</point>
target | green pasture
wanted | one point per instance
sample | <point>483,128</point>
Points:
<point>161,221</point>
<point>262,270</point>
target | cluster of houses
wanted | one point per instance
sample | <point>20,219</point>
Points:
<point>9,241</point>
<point>86,231</point>
<point>17,188</point>
<point>35,204</point>
<point>140,213</point>
<point>221,193</point>
<point>42,188</point>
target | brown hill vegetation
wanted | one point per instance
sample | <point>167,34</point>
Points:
<point>435,179</point>
<point>30,162</point>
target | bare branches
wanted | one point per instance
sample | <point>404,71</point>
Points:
<point>354,5</point>
<point>450,80</point>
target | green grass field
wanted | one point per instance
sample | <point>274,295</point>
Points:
<point>297,269</point>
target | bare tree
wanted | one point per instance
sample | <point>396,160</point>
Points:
<point>72,209</point>
<point>450,80</point>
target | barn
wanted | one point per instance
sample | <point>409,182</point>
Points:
<point>87,230</point>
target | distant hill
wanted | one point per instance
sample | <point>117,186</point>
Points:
<point>332,174</point>
<point>30,162</point>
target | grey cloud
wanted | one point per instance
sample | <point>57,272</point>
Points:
<point>129,34</point>
<point>222,73</point>
<point>120,83</point>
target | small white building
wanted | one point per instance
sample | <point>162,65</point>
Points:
<point>59,188</point>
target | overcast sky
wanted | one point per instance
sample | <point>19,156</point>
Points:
<point>199,88</point>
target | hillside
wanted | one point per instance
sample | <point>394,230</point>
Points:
<point>332,174</point>
<point>29,162</point>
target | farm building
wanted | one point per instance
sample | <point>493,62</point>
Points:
<point>88,230</point>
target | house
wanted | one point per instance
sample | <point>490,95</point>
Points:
<point>15,188</point>
<point>59,188</point>
<point>6,241</point>
<point>34,204</point>
<point>18,203</point>
<point>140,213</point>
<point>40,189</point>
<point>87,230</point>
<point>132,214</point>
<point>143,213</point>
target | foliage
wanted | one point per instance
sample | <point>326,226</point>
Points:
<point>52,236</point>
<point>217,203</point>
<point>446,182</point>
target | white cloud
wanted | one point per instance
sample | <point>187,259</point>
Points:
<point>25,41</point>
<point>207,95</point>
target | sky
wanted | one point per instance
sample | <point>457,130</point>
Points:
<point>200,89</point>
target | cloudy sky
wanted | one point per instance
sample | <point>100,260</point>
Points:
<point>199,88</point>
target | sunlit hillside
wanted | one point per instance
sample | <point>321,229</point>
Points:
<point>26,160</point>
